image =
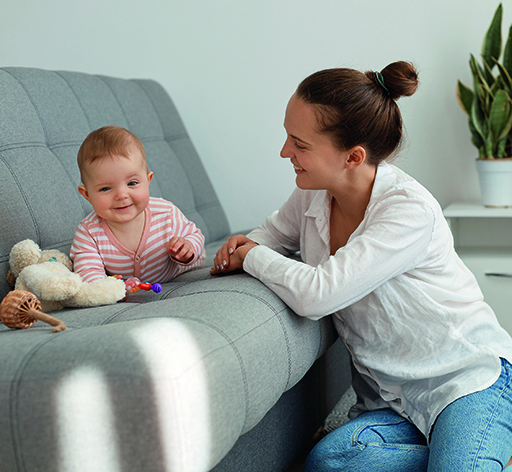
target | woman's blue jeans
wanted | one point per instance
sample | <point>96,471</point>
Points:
<point>474,433</point>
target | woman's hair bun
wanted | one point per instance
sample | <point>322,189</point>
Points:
<point>400,79</point>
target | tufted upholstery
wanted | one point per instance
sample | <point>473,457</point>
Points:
<point>45,116</point>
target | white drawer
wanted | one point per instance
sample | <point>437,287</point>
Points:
<point>497,290</point>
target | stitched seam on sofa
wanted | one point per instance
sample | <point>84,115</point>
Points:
<point>29,96</point>
<point>172,137</point>
<point>64,144</point>
<point>76,97</point>
<point>38,144</point>
<point>102,78</point>
<point>184,171</point>
<point>115,315</point>
<point>229,341</point>
<point>199,208</point>
<point>45,131</point>
<point>276,313</point>
<point>24,145</point>
<point>36,109</point>
<point>23,195</point>
<point>14,405</point>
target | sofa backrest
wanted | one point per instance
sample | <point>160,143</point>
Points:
<point>45,116</point>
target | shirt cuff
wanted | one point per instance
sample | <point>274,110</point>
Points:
<point>258,260</point>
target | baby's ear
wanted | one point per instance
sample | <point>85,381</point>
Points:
<point>83,191</point>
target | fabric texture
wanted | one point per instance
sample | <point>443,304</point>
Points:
<point>410,313</point>
<point>96,252</point>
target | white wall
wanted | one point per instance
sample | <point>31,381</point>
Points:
<point>231,66</point>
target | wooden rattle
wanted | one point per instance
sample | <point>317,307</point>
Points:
<point>21,309</point>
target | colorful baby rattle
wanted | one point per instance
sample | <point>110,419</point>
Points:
<point>133,284</point>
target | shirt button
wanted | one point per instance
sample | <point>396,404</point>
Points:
<point>137,258</point>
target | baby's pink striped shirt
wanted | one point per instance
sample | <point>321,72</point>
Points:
<point>96,252</point>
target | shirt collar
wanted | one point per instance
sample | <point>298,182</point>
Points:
<point>320,205</point>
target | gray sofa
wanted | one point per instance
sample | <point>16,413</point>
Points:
<point>213,373</point>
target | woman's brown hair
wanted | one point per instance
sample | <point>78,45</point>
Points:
<point>357,108</point>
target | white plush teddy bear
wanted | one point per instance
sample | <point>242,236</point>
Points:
<point>48,275</point>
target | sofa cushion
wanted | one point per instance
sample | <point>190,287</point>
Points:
<point>167,385</point>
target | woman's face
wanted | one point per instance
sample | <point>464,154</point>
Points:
<point>318,164</point>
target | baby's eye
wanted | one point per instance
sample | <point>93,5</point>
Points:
<point>104,189</point>
<point>132,183</point>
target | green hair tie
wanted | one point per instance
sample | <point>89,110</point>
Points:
<point>380,79</point>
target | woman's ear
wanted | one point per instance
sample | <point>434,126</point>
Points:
<point>356,156</point>
<point>83,191</point>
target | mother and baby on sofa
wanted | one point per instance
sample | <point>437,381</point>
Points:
<point>431,362</point>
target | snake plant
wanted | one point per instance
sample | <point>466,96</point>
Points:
<point>489,104</point>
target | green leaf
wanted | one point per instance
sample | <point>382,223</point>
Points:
<point>487,73</point>
<point>500,149</point>
<point>476,139</point>
<point>505,77</point>
<point>480,84</point>
<point>479,119</point>
<point>465,97</point>
<point>491,46</point>
<point>500,118</point>
<point>507,53</point>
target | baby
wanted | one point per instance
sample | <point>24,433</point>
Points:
<point>128,233</point>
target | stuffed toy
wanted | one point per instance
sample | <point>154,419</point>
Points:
<point>48,275</point>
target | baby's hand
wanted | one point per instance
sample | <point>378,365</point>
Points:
<point>180,250</point>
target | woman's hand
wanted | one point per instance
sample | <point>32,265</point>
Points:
<point>232,254</point>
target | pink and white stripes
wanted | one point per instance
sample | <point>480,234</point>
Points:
<point>97,253</point>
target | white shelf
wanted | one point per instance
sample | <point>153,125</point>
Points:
<point>476,210</point>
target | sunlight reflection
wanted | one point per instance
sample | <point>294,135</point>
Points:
<point>180,383</point>
<point>87,439</point>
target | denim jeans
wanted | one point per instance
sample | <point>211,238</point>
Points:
<point>474,433</point>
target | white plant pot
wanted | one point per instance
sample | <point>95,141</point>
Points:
<point>495,176</point>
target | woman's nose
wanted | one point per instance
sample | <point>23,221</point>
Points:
<point>286,151</point>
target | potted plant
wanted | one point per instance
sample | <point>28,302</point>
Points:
<point>489,110</point>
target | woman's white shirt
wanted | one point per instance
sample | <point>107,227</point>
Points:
<point>409,311</point>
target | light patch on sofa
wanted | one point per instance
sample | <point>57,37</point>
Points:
<point>87,439</point>
<point>180,381</point>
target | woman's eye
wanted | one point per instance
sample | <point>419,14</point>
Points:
<point>299,147</point>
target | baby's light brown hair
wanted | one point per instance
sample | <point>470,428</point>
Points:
<point>108,141</point>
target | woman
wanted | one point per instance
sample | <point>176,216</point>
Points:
<point>430,361</point>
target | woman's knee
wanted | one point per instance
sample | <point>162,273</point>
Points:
<point>365,442</point>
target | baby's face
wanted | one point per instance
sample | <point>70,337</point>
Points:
<point>117,187</point>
